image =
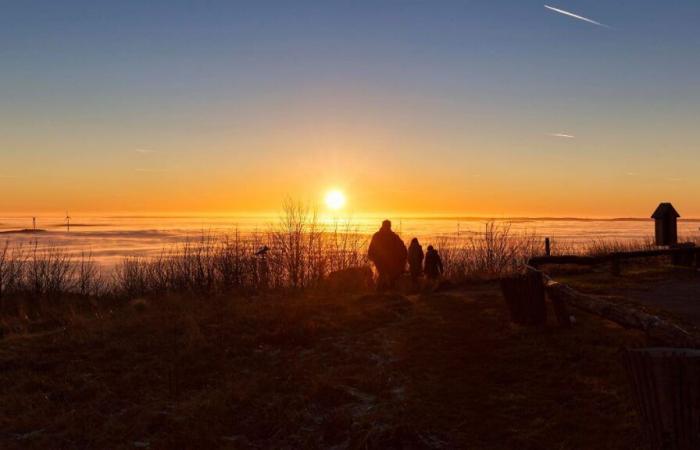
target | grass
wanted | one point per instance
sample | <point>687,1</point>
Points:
<point>440,370</point>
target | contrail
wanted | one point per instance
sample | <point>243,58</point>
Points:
<point>562,135</point>
<point>575,16</point>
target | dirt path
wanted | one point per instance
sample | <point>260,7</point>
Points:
<point>682,297</point>
<point>665,291</point>
<point>362,371</point>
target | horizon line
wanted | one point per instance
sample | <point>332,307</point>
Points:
<point>348,215</point>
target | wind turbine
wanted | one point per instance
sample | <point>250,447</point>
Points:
<point>67,222</point>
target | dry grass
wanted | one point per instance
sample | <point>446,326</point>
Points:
<point>362,371</point>
<point>34,279</point>
<point>494,254</point>
<point>604,247</point>
<point>303,252</point>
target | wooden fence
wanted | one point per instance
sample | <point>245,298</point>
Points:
<point>658,329</point>
<point>683,255</point>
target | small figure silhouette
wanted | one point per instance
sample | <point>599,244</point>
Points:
<point>263,270</point>
<point>388,253</point>
<point>415,260</point>
<point>433,264</point>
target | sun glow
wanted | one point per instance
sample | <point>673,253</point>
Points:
<point>335,200</point>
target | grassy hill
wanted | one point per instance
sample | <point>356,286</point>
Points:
<point>441,370</point>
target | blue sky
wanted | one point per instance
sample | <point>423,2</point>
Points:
<point>464,93</point>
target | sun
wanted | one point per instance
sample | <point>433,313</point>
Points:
<point>335,199</point>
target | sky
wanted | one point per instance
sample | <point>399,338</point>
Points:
<point>510,108</point>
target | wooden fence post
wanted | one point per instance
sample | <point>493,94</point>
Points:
<point>666,387</point>
<point>547,247</point>
<point>524,296</point>
<point>685,254</point>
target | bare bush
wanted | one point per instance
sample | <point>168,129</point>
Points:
<point>293,242</point>
<point>130,275</point>
<point>12,268</point>
<point>88,278</point>
<point>492,254</point>
<point>299,251</point>
<point>50,272</point>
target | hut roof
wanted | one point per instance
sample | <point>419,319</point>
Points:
<point>665,210</point>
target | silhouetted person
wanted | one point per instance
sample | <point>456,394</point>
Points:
<point>263,268</point>
<point>388,253</point>
<point>433,264</point>
<point>415,260</point>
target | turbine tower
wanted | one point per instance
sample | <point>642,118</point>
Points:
<point>67,222</point>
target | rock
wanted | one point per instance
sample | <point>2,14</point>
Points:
<point>139,304</point>
<point>29,435</point>
<point>352,279</point>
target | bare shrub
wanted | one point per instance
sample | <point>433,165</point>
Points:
<point>12,268</point>
<point>50,272</point>
<point>345,247</point>
<point>293,242</point>
<point>230,261</point>
<point>492,254</point>
<point>129,277</point>
<point>300,251</point>
<point>88,279</point>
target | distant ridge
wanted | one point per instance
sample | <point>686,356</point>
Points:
<point>542,219</point>
<point>24,231</point>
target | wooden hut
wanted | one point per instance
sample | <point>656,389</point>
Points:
<point>666,224</point>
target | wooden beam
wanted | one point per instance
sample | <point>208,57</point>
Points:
<point>593,260</point>
<point>566,259</point>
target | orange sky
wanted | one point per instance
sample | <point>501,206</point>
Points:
<point>381,167</point>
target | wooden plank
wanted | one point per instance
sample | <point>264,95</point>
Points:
<point>646,253</point>
<point>593,260</point>
<point>566,259</point>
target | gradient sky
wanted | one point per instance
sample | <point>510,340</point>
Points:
<point>411,106</point>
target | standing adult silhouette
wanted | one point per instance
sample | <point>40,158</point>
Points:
<point>388,253</point>
<point>415,260</point>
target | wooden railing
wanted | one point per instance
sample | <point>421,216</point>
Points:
<point>682,255</point>
<point>657,328</point>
